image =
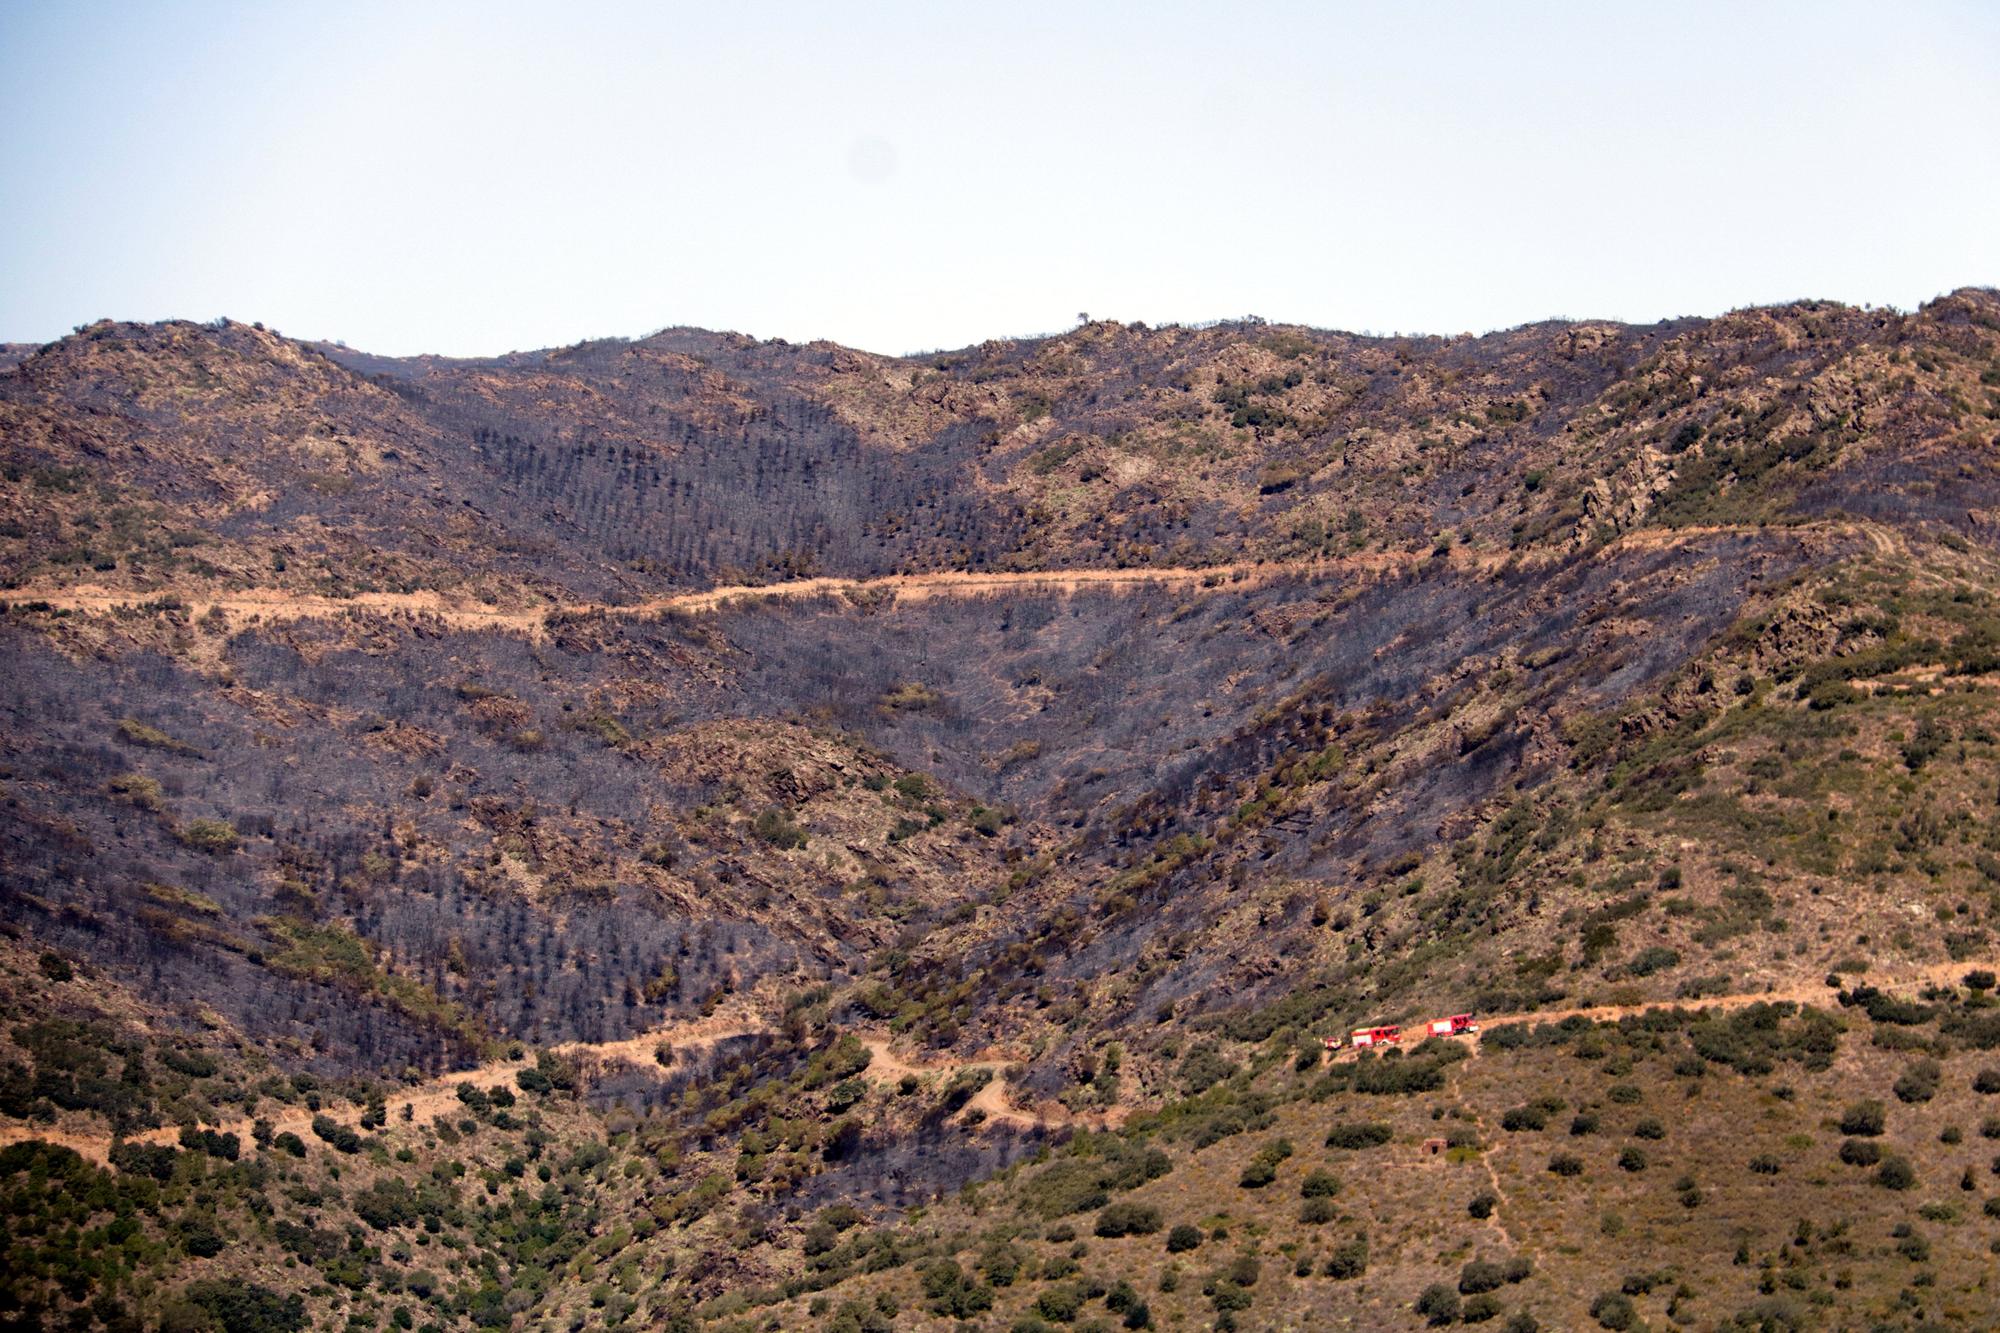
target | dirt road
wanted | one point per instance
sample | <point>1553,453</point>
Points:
<point>437,1096</point>
<point>1815,993</point>
<point>244,607</point>
<point>886,1067</point>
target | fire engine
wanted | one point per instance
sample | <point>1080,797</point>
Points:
<point>1366,1037</point>
<point>1457,1025</point>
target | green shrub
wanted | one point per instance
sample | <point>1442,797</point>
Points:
<point>775,826</point>
<point>1919,1082</point>
<point>1182,1238</point>
<point>1438,1304</point>
<point>1355,1137</point>
<point>1480,1275</point>
<point>246,1307</point>
<point>340,1136</point>
<point>1349,1259</point>
<point>1864,1118</point>
<point>1128,1219</point>
<point>1860,1152</point>
<point>1398,1077</point>
<point>1059,1303</point>
<point>1613,1310</point>
<point>1263,1168</point>
<point>209,835</point>
<point>1896,1173</point>
<point>949,1292</point>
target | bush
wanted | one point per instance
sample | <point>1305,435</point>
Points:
<point>1566,1164</point>
<point>1919,1083</point>
<point>775,826</point>
<point>1632,1159</point>
<point>1259,1173</point>
<point>1349,1260</point>
<point>1986,1081</point>
<point>1649,1128</point>
<point>949,1292</point>
<point>1128,1219</point>
<point>1654,959</point>
<point>1896,1174</point>
<point>1059,1303</point>
<point>1317,1211</point>
<point>209,835</point>
<point>1391,1077</point>
<point>1482,1205</point>
<point>1479,1309</point>
<point>1520,1118</point>
<point>226,1146</point>
<point>1355,1137</point>
<point>1613,1310</point>
<point>1182,1238</point>
<point>1864,1118</point>
<point>1204,1067</point>
<point>246,1307</point>
<point>1480,1275</point>
<point>144,1159</point>
<point>1319,1185</point>
<point>1860,1152</point>
<point>340,1136</point>
<point>1263,1168</point>
<point>1439,1305</point>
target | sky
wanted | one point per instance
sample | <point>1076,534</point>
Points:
<point>476,178</point>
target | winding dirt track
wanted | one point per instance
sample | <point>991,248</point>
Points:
<point>437,1096</point>
<point>886,1068</point>
<point>266,605</point>
<point>1939,974</point>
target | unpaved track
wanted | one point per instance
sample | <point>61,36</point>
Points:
<point>249,606</point>
<point>886,1068</point>
<point>270,605</point>
<point>439,1096</point>
<point>1819,993</point>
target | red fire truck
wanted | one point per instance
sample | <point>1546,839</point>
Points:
<point>1362,1038</point>
<point>1457,1025</point>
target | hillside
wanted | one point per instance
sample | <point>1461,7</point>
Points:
<point>739,835</point>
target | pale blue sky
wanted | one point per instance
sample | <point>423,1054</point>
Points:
<point>473,178</point>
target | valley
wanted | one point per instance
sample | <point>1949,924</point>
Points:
<point>703,833</point>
